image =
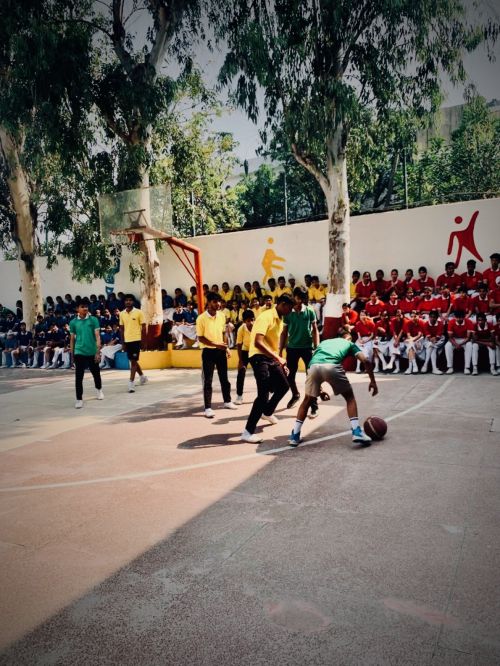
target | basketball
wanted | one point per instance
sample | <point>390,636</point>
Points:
<point>375,427</point>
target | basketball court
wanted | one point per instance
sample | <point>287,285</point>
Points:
<point>135,531</point>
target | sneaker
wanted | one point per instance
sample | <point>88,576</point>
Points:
<point>408,372</point>
<point>437,372</point>
<point>271,419</point>
<point>251,439</point>
<point>395,371</point>
<point>100,394</point>
<point>293,400</point>
<point>474,371</point>
<point>78,404</point>
<point>467,371</point>
<point>209,413</point>
<point>131,387</point>
<point>358,435</point>
<point>143,380</point>
<point>239,400</point>
<point>294,439</point>
<point>493,371</point>
<point>21,365</point>
<point>424,369</point>
<point>230,405</point>
<point>450,371</point>
<point>358,371</point>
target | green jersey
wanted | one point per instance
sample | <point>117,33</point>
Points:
<point>334,351</point>
<point>299,328</point>
<point>84,330</point>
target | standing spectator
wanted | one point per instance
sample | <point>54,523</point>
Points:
<point>133,335</point>
<point>211,331</point>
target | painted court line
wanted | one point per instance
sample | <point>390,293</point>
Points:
<point>213,463</point>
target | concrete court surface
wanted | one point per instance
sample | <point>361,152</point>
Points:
<point>135,531</point>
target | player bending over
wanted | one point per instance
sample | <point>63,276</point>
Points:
<point>326,366</point>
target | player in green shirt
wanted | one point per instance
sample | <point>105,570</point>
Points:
<point>326,366</point>
<point>85,345</point>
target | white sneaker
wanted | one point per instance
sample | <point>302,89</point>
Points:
<point>474,370</point>
<point>493,371</point>
<point>437,372</point>
<point>251,439</point>
<point>44,366</point>
<point>78,404</point>
<point>376,371</point>
<point>358,371</point>
<point>450,371</point>
<point>209,413</point>
<point>271,419</point>
<point>424,369</point>
<point>143,380</point>
<point>100,394</point>
<point>467,371</point>
<point>131,387</point>
<point>230,405</point>
<point>239,400</point>
<point>408,372</point>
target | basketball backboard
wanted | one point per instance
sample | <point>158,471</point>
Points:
<point>122,213</point>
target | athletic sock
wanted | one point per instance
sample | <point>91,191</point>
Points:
<point>297,427</point>
<point>354,422</point>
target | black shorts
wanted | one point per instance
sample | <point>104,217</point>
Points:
<point>133,350</point>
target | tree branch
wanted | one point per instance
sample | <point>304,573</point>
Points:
<point>118,37</point>
<point>168,16</point>
<point>308,164</point>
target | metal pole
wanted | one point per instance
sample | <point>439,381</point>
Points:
<point>286,198</point>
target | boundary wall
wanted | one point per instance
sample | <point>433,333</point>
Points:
<point>401,239</point>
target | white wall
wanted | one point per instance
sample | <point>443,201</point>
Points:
<point>400,239</point>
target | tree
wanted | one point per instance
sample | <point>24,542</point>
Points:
<point>320,63</point>
<point>43,68</point>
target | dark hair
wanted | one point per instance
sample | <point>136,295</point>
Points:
<point>356,273</point>
<point>422,268</point>
<point>301,292</point>
<point>248,314</point>
<point>433,313</point>
<point>459,314</point>
<point>495,255</point>
<point>127,296</point>
<point>285,298</point>
<point>481,315</point>
<point>84,303</point>
<point>449,263</point>
<point>346,305</point>
<point>213,296</point>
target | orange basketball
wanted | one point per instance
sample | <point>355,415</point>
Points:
<point>375,427</point>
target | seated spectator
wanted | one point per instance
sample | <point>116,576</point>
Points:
<point>496,332</point>
<point>10,344</point>
<point>19,310</point>
<point>179,298</point>
<point>449,278</point>
<point>410,282</point>
<point>424,280</point>
<point>459,339</point>
<point>193,296</point>
<point>215,288</point>
<point>348,318</point>
<point>185,326</point>
<point>374,306</point>
<point>480,304</point>
<point>494,297</point>
<point>54,338</point>
<point>268,302</point>
<point>60,308</point>
<point>382,341</point>
<point>471,278</point>
<point>25,346</point>
<point>433,342</point>
<point>363,291</point>
<point>166,300</point>
<point>39,344</point>
<point>414,328</point>
<point>271,290</point>
<point>483,337</point>
<point>256,307</point>
<point>113,301</point>
<point>392,304</point>
<point>427,302</point>
<point>292,282</point>
<point>409,302</point>
<point>380,284</point>
<point>106,319</point>
<point>355,278</point>
<point>492,275</point>
<point>93,304</point>
<point>397,341</point>
<point>248,292</point>
<point>226,292</point>
<point>444,302</point>
<point>49,304</point>
<point>365,329</point>
<point>282,287</point>
<point>62,351</point>
<point>69,304</point>
<point>462,301</point>
<point>258,291</point>
<point>395,284</point>
<point>111,344</point>
<point>237,294</point>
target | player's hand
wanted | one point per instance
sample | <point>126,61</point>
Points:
<point>228,352</point>
<point>97,356</point>
<point>222,346</point>
<point>324,396</point>
<point>373,388</point>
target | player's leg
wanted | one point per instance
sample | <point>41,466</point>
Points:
<point>80,362</point>
<point>261,372</point>
<point>240,379</point>
<point>279,387</point>
<point>207,374</point>
<point>292,361</point>
<point>358,434</point>
<point>96,374</point>
<point>312,390</point>
<point>221,365</point>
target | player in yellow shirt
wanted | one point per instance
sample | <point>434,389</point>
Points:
<point>212,336</point>
<point>243,345</point>
<point>133,334</point>
<point>268,366</point>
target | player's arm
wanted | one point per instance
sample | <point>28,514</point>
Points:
<point>98,343</point>
<point>72,339</point>
<point>144,333</point>
<point>372,386</point>
<point>315,335</point>
<point>283,339</point>
<point>122,336</point>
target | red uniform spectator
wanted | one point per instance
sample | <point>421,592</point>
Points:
<point>374,307</point>
<point>380,284</point>
<point>363,290</point>
<point>449,278</point>
<point>409,302</point>
<point>481,302</point>
<point>392,304</point>
<point>395,284</point>
<point>471,278</point>
<point>424,280</point>
<point>410,282</point>
<point>427,302</point>
<point>492,275</point>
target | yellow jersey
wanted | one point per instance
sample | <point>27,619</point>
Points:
<point>211,328</point>
<point>132,324</point>
<point>270,325</point>
<point>316,293</point>
<point>243,337</point>
<point>226,295</point>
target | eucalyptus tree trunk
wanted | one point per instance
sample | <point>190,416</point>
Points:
<point>24,230</point>
<point>151,302</point>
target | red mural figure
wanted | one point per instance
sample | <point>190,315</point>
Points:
<point>465,239</point>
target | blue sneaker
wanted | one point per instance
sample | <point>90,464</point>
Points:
<point>294,439</point>
<point>359,436</point>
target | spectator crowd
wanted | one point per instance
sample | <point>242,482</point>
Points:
<point>426,321</point>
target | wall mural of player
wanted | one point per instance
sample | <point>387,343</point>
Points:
<point>268,260</point>
<point>465,239</point>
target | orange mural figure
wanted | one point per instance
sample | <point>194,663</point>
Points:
<point>465,239</point>
<point>268,264</point>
